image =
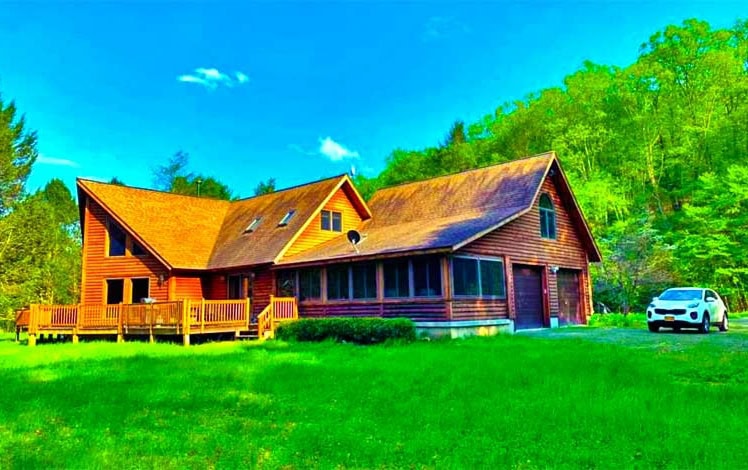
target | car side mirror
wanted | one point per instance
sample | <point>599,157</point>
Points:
<point>655,298</point>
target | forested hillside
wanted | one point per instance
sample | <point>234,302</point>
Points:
<point>657,153</point>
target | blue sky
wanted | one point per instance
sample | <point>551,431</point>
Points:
<point>295,91</point>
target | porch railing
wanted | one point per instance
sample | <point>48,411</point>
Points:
<point>279,309</point>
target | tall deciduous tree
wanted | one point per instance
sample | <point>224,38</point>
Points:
<point>265,187</point>
<point>174,177</point>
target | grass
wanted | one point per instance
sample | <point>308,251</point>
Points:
<point>510,402</point>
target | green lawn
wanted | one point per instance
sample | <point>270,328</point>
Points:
<point>523,401</point>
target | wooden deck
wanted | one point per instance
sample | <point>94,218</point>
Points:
<point>182,318</point>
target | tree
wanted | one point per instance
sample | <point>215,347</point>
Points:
<point>265,187</point>
<point>17,154</point>
<point>175,178</point>
<point>117,181</point>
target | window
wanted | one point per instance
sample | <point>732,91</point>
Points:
<point>253,226</point>
<point>117,239</point>
<point>337,222</point>
<point>286,284</point>
<point>115,291</point>
<point>465,276</point>
<point>309,284</point>
<point>478,277</point>
<point>427,277</point>
<point>140,290</point>
<point>286,218</point>
<point>331,221</point>
<point>492,278</point>
<point>137,250</point>
<point>547,217</point>
<point>396,279</point>
<point>364,281</point>
<point>337,282</point>
<point>236,287</point>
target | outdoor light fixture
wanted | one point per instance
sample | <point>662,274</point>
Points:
<point>161,279</point>
<point>554,269</point>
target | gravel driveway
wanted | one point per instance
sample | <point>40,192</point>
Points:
<point>735,339</point>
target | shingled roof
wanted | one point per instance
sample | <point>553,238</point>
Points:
<point>447,212</point>
<point>188,232</point>
<point>438,214</point>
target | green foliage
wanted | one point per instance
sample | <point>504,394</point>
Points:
<point>352,330</point>
<point>635,143</point>
<point>618,320</point>
<point>477,403</point>
<point>175,178</point>
<point>265,187</point>
<point>17,154</point>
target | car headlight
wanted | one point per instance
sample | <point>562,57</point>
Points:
<point>693,305</point>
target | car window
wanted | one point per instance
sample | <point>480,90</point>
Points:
<point>682,294</point>
<point>712,294</point>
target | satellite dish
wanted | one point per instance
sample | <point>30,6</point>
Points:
<point>355,238</point>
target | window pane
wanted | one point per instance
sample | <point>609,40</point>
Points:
<point>309,284</point>
<point>137,250</point>
<point>427,280</point>
<point>286,281</point>
<point>140,290</point>
<point>337,282</point>
<point>396,279</point>
<point>465,274</point>
<point>115,291</point>
<point>337,222</point>
<point>325,220</point>
<point>492,278</point>
<point>116,240</point>
<point>364,281</point>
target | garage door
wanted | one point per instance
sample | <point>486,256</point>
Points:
<point>569,301</point>
<point>528,297</point>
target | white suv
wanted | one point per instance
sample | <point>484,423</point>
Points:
<point>687,307</point>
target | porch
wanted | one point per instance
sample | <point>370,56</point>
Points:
<point>175,318</point>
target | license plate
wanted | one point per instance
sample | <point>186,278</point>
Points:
<point>669,318</point>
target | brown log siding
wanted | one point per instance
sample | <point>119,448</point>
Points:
<point>99,266</point>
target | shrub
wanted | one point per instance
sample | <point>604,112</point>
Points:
<point>353,330</point>
<point>618,320</point>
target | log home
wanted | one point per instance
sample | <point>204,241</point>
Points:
<point>504,247</point>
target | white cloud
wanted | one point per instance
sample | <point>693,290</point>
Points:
<point>335,151</point>
<point>44,160</point>
<point>211,78</point>
<point>438,27</point>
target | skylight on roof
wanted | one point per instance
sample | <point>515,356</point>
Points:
<point>286,218</point>
<point>251,227</point>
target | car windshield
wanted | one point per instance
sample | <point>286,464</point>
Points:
<point>681,294</point>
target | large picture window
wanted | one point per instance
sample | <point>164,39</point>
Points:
<point>115,291</point>
<point>478,277</point>
<point>364,278</point>
<point>309,284</point>
<point>286,283</point>
<point>396,279</point>
<point>337,283</point>
<point>140,289</point>
<point>427,277</point>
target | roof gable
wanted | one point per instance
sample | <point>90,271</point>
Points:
<point>188,232</point>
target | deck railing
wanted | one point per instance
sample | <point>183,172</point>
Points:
<point>181,317</point>
<point>279,309</point>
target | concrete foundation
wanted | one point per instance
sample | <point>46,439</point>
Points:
<point>462,329</point>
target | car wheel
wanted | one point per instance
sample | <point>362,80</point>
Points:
<point>725,324</point>
<point>705,324</point>
<point>653,328</point>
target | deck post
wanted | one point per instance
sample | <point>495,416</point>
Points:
<point>120,314</point>
<point>32,339</point>
<point>33,323</point>
<point>75,338</point>
<point>248,312</point>
<point>186,322</point>
<point>202,315</point>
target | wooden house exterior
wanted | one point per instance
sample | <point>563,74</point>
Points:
<point>502,247</point>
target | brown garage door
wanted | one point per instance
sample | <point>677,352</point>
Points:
<point>528,297</point>
<point>568,297</point>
